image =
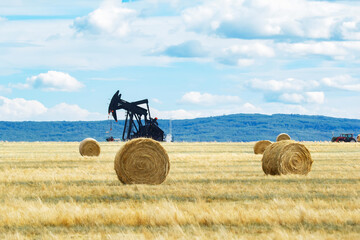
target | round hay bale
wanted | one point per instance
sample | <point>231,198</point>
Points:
<point>358,138</point>
<point>89,147</point>
<point>142,161</point>
<point>260,146</point>
<point>286,157</point>
<point>282,136</point>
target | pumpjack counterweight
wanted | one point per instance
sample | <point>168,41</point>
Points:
<point>138,121</point>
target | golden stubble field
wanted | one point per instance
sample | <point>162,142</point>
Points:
<point>213,191</point>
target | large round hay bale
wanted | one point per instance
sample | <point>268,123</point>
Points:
<point>89,147</point>
<point>358,138</point>
<point>286,157</point>
<point>142,161</point>
<point>282,136</point>
<point>260,146</point>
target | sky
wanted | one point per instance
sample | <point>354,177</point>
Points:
<point>64,60</point>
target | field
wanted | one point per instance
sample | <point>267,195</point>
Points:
<point>213,191</point>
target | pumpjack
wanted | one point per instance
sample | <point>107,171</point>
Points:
<point>138,121</point>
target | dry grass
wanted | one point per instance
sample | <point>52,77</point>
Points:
<point>213,191</point>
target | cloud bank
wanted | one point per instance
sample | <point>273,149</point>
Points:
<point>277,19</point>
<point>20,109</point>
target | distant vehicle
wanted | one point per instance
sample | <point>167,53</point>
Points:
<point>344,137</point>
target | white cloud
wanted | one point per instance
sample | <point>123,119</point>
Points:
<point>291,97</point>
<point>299,98</point>
<point>337,50</point>
<point>176,114</point>
<point>243,62</point>
<point>19,109</point>
<point>196,17</point>
<point>275,43</point>
<point>149,33</point>
<point>250,107</point>
<point>345,82</point>
<point>250,19</point>
<point>251,49</point>
<point>86,52</point>
<point>350,29</point>
<point>315,97</point>
<point>190,114</point>
<point>285,108</point>
<point>53,81</point>
<point>111,18</point>
<point>208,99</point>
<point>245,52</point>
<point>289,84</point>
<point>4,89</point>
<point>70,112</point>
<point>290,90</point>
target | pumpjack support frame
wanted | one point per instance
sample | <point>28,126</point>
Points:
<point>138,121</point>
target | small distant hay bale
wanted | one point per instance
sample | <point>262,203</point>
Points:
<point>282,136</point>
<point>358,138</point>
<point>260,146</point>
<point>89,147</point>
<point>286,157</point>
<point>142,161</point>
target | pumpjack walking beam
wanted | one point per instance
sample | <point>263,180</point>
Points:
<point>138,121</point>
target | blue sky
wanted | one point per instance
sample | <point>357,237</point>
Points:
<point>65,60</point>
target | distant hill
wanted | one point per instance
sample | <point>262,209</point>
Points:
<point>228,128</point>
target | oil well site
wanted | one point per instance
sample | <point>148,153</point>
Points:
<point>168,119</point>
<point>137,185</point>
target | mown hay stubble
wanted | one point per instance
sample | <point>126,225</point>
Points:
<point>286,157</point>
<point>142,161</point>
